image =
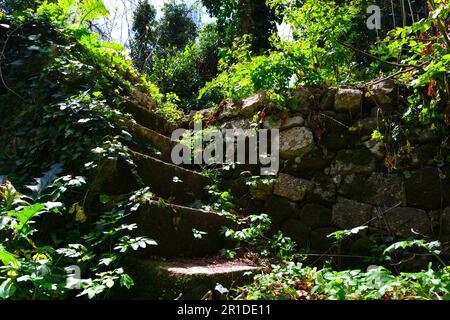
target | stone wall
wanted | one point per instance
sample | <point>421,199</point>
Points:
<point>334,176</point>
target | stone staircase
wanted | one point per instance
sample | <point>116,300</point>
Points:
<point>181,265</point>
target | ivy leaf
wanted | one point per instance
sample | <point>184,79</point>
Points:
<point>429,246</point>
<point>198,234</point>
<point>50,205</point>
<point>45,181</point>
<point>104,199</point>
<point>108,260</point>
<point>221,289</point>
<point>34,48</point>
<point>126,281</point>
<point>77,181</point>
<point>177,180</point>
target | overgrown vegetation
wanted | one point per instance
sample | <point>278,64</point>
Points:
<point>62,119</point>
<point>74,113</point>
<point>294,281</point>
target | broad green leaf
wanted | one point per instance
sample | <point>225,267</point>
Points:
<point>6,257</point>
<point>7,289</point>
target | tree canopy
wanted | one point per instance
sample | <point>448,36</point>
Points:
<point>239,17</point>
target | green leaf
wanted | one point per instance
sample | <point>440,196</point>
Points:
<point>27,213</point>
<point>104,199</point>
<point>221,289</point>
<point>50,205</point>
<point>91,10</point>
<point>198,234</point>
<point>126,281</point>
<point>7,257</point>
<point>7,289</point>
<point>45,181</point>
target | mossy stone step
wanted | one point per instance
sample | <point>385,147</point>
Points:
<point>143,136</point>
<point>148,118</point>
<point>179,231</point>
<point>169,181</point>
<point>165,180</point>
<point>186,279</point>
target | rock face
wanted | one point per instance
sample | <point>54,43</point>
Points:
<point>401,222</point>
<point>297,231</point>
<point>327,99</point>
<point>281,209</point>
<point>315,216</point>
<point>247,108</point>
<point>262,190</point>
<point>301,99</point>
<point>426,190</point>
<point>382,95</point>
<point>353,161</point>
<point>295,142</point>
<point>171,227</point>
<point>320,239</point>
<point>284,123</point>
<point>334,176</point>
<point>187,278</point>
<point>349,214</point>
<point>323,190</point>
<point>292,188</point>
<point>349,100</point>
<point>236,124</point>
<point>388,191</point>
<point>445,221</point>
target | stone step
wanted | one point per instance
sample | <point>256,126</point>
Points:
<point>148,118</point>
<point>186,279</point>
<point>143,136</point>
<point>175,228</point>
<point>168,181</point>
<point>173,183</point>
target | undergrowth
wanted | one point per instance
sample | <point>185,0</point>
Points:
<point>61,120</point>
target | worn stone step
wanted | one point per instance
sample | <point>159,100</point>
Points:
<point>173,183</point>
<point>169,181</point>
<point>148,118</point>
<point>143,136</point>
<point>176,228</point>
<point>186,279</point>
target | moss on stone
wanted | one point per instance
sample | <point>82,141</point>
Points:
<point>357,187</point>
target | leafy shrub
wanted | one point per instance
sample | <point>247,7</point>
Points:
<point>295,281</point>
<point>32,268</point>
<point>315,56</point>
<point>242,75</point>
<point>65,101</point>
<point>253,236</point>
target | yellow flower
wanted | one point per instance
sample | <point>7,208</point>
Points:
<point>39,257</point>
<point>12,273</point>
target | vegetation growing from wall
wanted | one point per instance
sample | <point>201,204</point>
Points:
<point>63,122</point>
<point>67,110</point>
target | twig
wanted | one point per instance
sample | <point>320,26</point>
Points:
<point>396,74</point>
<point>379,59</point>
<point>333,119</point>
<point>2,55</point>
